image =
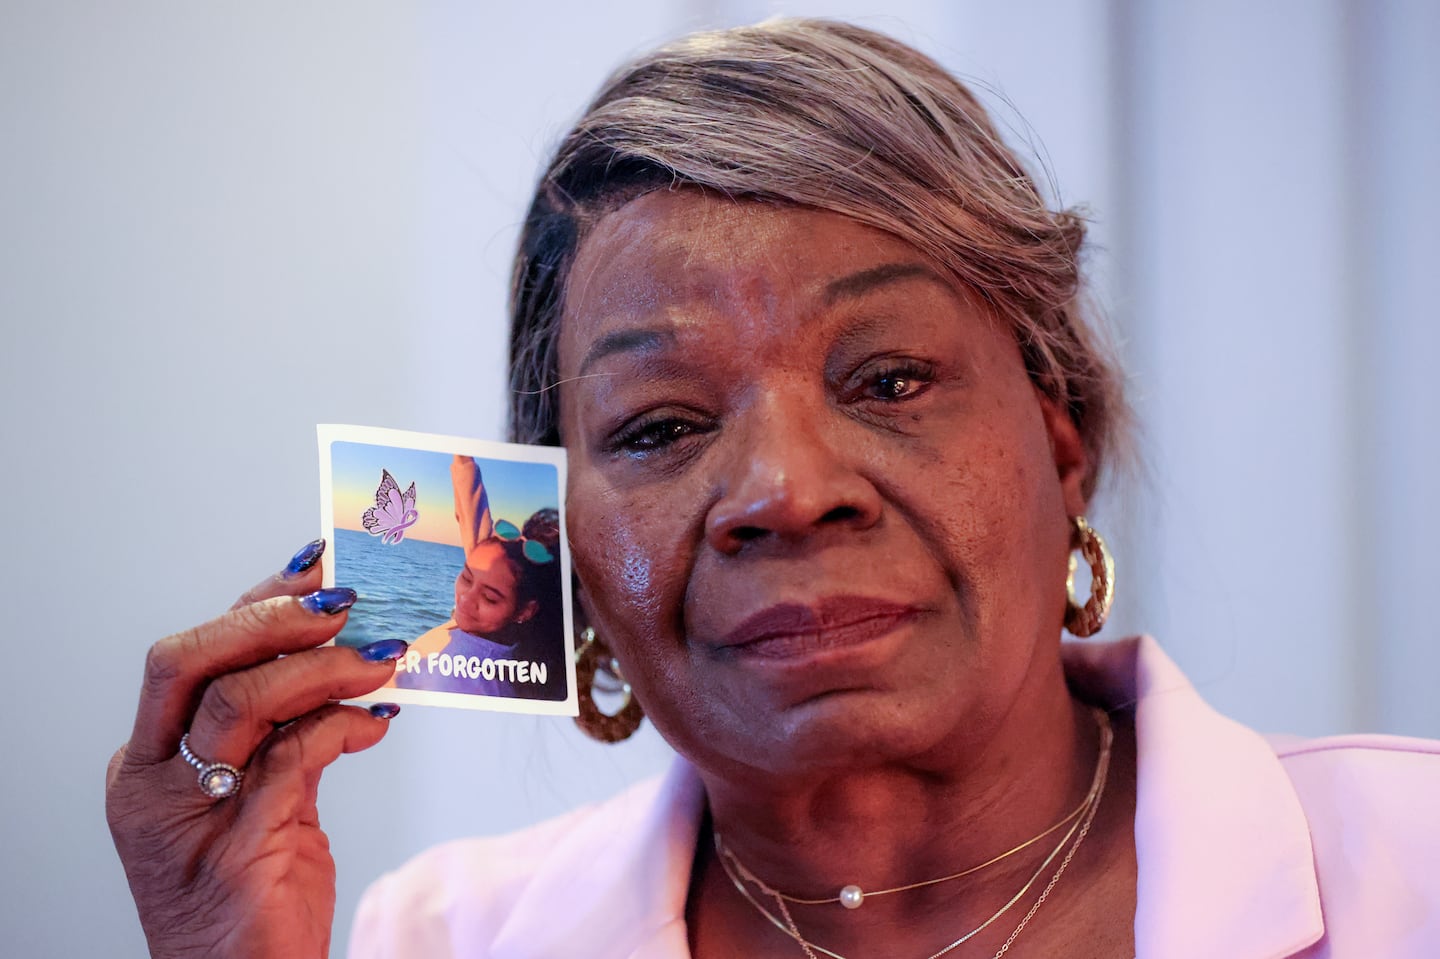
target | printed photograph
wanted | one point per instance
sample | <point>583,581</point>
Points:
<point>457,547</point>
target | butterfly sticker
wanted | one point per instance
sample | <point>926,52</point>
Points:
<point>393,513</point>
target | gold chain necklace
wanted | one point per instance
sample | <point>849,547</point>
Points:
<point>740,875</point>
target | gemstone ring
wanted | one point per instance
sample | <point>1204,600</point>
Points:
<point>217,780</point>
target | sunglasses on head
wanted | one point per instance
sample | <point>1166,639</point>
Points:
<point>535,552</point>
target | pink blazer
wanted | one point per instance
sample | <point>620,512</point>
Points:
<point>1249,848</point>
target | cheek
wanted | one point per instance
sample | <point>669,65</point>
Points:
<point>618,570</point>
<point>468,597</point>
<point>505,610</point>
<point>972,495</point>
<point>633,555</point>
<point>1003,515</point>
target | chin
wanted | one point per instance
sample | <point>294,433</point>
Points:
<point>836,733</point>
<point>470,626</point>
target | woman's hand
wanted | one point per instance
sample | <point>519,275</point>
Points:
<point>249,874</point>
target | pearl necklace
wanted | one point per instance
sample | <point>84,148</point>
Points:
<point>740,875</point>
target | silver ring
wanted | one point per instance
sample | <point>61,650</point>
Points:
<point>217,780</point>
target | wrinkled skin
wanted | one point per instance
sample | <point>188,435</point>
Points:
<point>792,437</point>
<point>250,875</point>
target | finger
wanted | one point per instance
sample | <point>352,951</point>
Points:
<point>113,768</point>
<point>298,753</point>
<point>178,667</point>
<point>301,575</point>
<point>240,710</point>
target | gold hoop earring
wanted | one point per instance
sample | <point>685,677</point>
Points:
<point>1087,619</point>
<point>593,721</point>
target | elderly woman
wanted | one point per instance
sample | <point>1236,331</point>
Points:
<point>812,340</point>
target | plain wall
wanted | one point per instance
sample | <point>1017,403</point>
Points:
<point>221,224</point>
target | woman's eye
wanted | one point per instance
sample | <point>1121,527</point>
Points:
<point>649,436</point>
<point>897,383</point>
<point>892,386</point>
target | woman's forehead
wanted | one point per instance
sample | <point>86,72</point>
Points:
<point>677,247</point>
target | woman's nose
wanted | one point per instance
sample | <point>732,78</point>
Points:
<point>789,481</point>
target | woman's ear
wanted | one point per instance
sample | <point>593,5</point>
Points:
<point>1072,463</point>
<point>527,611</point>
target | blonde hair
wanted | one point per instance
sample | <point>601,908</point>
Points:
<point>833,116</point>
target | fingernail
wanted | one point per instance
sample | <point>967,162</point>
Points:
<point>385,710</point>
<point>308,556</point>
<point>330,600</point>
<point>385,649</point>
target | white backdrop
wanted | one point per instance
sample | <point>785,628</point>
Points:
<point>223,223</point>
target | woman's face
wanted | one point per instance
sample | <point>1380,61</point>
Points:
<point>817,508</point>
<point>486,590</point>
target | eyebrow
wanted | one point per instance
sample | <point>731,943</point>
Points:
<point>858,284</point>
<point>651,339</point>
<point>627,341</point>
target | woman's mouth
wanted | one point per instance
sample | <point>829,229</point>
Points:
<point>789,630</point>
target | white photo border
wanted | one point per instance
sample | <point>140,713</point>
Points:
<point>329,433</point>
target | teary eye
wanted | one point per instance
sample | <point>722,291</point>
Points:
<point>898,382</point>
<point>648,435</point>
<point>892,386</point>
<point>657,435</point>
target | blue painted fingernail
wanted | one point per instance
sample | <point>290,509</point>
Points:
<point>308,556</point>
<point>329,601</point>
<point>379,652</point>
<point>385,710</point>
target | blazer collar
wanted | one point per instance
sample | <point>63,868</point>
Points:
<point>615,886</point>
<point>1226,866</point>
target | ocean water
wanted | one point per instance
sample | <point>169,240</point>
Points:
<point>405,589</point>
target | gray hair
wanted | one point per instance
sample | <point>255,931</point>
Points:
<point>836,117</point>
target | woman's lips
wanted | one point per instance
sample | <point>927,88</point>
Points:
<point>796,629</point>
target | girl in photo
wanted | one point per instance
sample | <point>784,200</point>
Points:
<point>507,601</point>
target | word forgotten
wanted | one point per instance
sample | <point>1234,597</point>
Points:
<point>474,667</point>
